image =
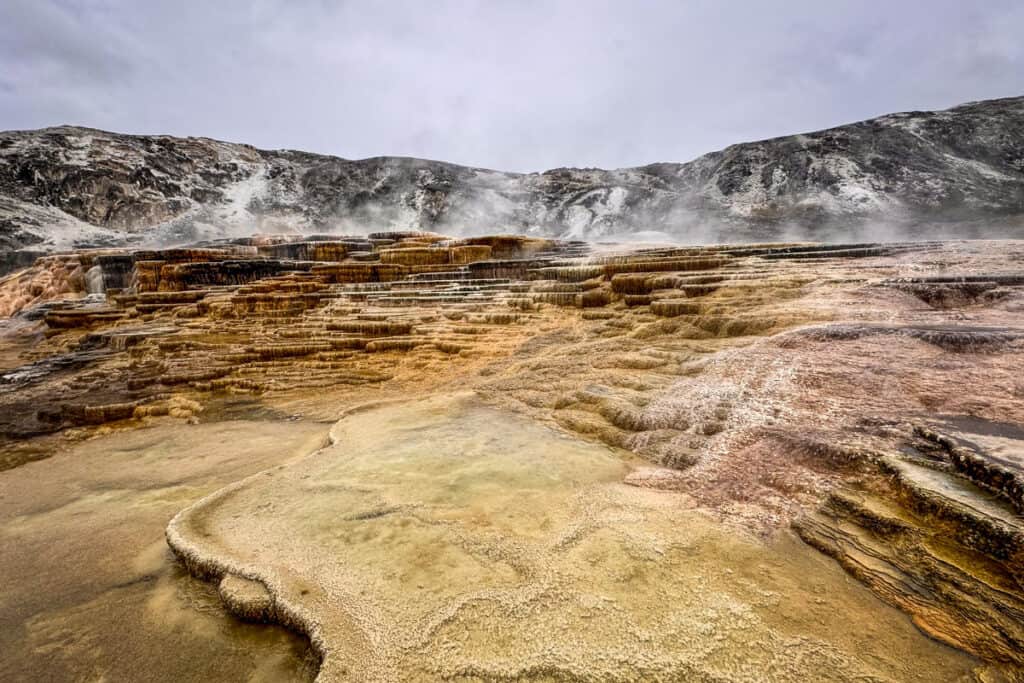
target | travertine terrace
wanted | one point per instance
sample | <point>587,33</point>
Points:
<point>815,412</point>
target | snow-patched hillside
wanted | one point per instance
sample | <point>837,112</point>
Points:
<point>67,186</point>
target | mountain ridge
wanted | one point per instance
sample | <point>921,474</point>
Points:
<point>69,187</point>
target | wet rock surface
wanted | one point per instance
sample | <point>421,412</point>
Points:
<point>442,539</point>
<point>777,391</point>
<point>91,591</point>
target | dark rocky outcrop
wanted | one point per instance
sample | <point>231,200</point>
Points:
<point>958,172</point>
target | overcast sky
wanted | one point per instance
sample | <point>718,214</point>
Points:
<point>517,85</point>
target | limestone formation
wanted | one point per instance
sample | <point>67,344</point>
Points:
<point>866,399</point>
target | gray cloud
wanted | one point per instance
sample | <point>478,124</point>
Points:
<point>516,86</point>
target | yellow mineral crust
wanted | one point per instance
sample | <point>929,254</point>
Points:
<point>664,449</point>
<point>439,538</point>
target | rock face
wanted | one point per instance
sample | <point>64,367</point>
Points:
<point>71,187</point>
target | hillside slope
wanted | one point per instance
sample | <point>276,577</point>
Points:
<point>67,186</point>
